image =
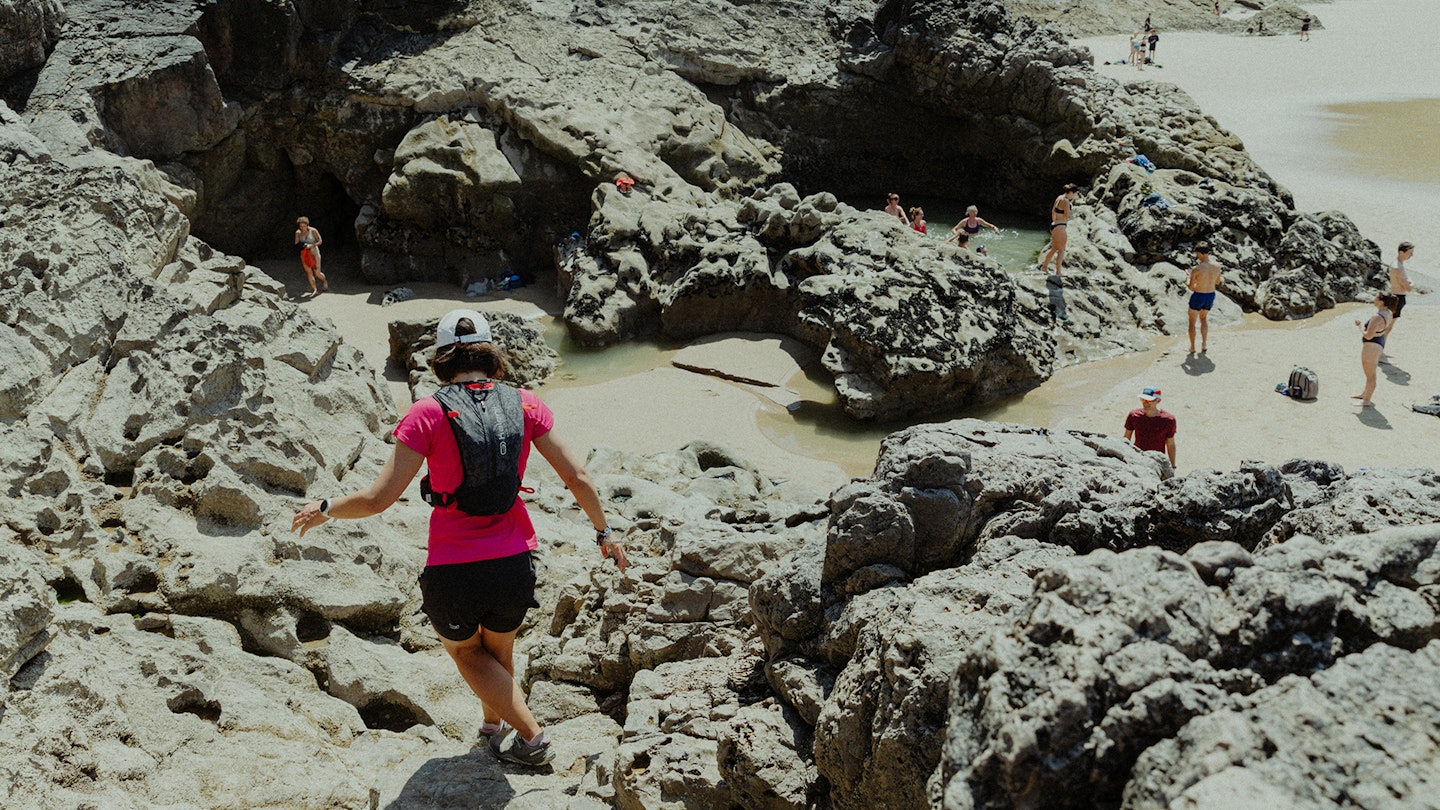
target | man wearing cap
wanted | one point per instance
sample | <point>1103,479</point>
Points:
<point>1150,427</point>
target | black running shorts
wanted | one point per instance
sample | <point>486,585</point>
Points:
<point>493,594</point>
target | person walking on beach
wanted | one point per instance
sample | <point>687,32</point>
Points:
<point>1204,277</point>
<point>970,225</point>
<point>1400,287</point>
<point>1153,39</point>
<point>1305,28</point>
<point>479,577</point>
<point>917,219</point>
<point>1151,428</point>
<point>309,241</point>
<point>1372,344</point>
<point>1059,215</point>
<point>892,207</point>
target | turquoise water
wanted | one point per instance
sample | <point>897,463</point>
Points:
<point>1017,247</point>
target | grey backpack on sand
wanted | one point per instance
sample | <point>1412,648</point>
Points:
<point>1304,384</point>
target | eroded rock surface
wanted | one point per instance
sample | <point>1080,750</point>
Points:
<point>462,143</point>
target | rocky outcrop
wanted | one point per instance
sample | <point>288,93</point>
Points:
<point>899,321</point>
<point>30,28</point>
<point>1199,649</point>
<point>166,409</point>
<point>999,616</point>
<point>1126,16</point>
<point>461,145</point>
<point>959,551</point>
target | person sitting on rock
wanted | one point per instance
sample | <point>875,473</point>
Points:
<point>1151,428</point>
<point>892,207</point>
<point>479,578</point>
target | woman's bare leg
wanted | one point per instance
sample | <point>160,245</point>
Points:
<point>486,662</point>
<point>1369,360</point>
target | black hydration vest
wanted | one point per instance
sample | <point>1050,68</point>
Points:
<point>489,426</point>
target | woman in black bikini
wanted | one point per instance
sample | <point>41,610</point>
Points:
<point>1059,215</point>
<point>1372,343</point>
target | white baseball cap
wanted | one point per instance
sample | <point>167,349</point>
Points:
<point>445,333</point>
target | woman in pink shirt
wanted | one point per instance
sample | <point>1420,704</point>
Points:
<point>479,577</point>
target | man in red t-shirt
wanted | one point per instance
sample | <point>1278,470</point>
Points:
<point>1152,428</point>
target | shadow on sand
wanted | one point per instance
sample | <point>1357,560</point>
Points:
<point>1197,364</point>
<point>1371,417</point>
<point>1395,374</point>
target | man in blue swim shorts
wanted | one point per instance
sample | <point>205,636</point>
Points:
<point>1204,276</point>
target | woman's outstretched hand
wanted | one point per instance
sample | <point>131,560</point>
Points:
<point>613,548</point>
<point>307,518</point>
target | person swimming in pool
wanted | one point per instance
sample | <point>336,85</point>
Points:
<point>1060,213</point>
<point>970,225</point>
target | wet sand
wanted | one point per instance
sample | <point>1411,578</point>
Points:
<point>1327,121</point>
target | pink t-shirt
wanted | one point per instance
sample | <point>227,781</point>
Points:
<point>455,536</point>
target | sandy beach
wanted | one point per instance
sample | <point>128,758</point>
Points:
<point>1323,117</point>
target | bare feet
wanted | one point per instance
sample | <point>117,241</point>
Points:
<point>1360,397</point>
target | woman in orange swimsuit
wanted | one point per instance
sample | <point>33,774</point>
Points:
<point>1059,216</point>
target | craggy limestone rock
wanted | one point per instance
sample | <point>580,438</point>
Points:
<point>1127,667</point>
<point>932,562</point>
<point>903,323</point>
<point>674,639</point>
<point>165,410</point>
<point>480,141</point>
<point>30,28</point>
<point>1375,732</point>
